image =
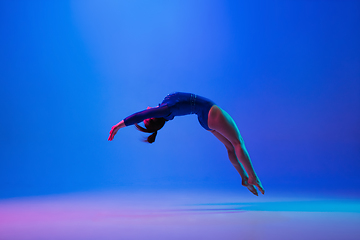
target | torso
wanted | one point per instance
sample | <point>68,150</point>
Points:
<point>181,103</point>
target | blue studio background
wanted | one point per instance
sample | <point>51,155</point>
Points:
<point>287,71</point>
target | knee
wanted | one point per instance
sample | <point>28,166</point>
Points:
<point>238,143</point>
<point>230,150</point>
<point>229,147</point>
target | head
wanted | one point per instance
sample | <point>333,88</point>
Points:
<point>152,125</point>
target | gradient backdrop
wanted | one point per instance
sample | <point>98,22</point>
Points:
<point>288,72</point>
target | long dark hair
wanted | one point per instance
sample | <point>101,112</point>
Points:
<point>152,125</point>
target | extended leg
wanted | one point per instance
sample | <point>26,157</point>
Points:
<point>232,156</point>
<point>221,121</point>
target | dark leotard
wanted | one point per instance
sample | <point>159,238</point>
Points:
<point>176,104</point>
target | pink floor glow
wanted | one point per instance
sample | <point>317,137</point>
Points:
<point>178,215</point>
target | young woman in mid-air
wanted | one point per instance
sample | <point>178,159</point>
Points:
<point>210,116</point>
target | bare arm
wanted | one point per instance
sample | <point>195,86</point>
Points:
<point>116,128</point>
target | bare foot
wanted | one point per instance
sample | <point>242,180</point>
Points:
<point>254,180</point>
<point>245,183</point>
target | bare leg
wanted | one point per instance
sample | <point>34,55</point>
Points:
<point>232,156</point>
<point>221,122</point>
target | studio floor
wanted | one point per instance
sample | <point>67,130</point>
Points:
<point>178,215</point>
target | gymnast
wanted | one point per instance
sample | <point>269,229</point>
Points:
<point>210,116</point>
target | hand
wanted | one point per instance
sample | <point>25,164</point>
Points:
<point>255,181</point>
<point>114,130</point>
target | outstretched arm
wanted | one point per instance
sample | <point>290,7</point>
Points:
<point>156,112</point>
